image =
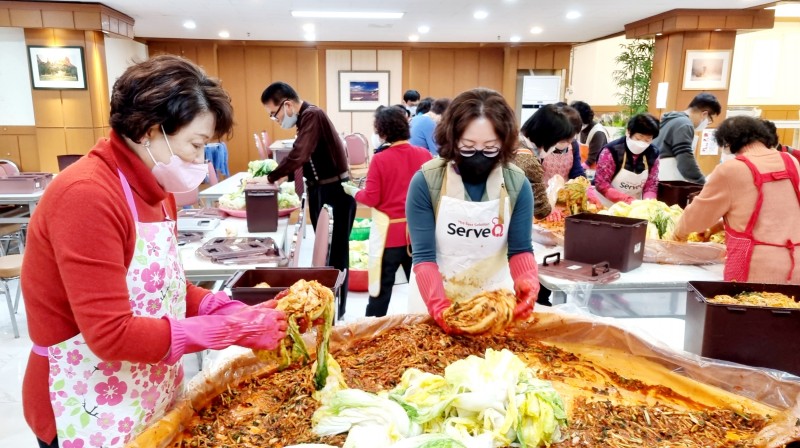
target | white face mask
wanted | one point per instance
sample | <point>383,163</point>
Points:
<point>412,110</point>
<point>635,146</point>
<point>702,125</point>
<point>376,141</point>
<point>288,121</point>
<point>177,176</point>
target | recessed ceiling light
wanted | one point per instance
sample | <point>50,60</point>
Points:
<point>348,14</point>
<point>423,29</point>
<point>718,29</point>
<point>536,30</point>
<point>189,25</point>
<point>413,37</point>
<point>224,34</point>
<point>480,14</point>
<point>308,27</point>
<point>515,39</point>
<point>310,37</point>
<point>573,15</point>
<point>659,34</point>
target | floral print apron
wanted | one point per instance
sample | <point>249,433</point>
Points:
<point>106,403</point>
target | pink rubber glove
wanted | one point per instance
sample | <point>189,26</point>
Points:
<point>431,288</point>
<point>614,195</point>
<point>591,196</point>
<point>555,216</point>
<point>258,328</point>
<point>650,195</point>
<point>220,304</point>
<point>525,274</point>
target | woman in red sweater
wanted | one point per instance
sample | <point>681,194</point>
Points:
<point>390,172</point>
<point>109,309</point>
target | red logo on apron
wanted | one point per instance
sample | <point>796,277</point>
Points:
<point>497,229</point>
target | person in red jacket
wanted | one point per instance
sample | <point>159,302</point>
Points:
<point>109,309</point>
<point>389,175</point>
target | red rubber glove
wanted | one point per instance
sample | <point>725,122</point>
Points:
<point>525,274</point>
<point>431,288</point>
<point>220,304</point>
<point>257,328</point>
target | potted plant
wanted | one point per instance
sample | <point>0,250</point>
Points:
<point>633,76</point>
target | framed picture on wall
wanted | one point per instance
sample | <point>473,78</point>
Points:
<point>707,69</point>
<point>363,90</point>
<point>57,67</point>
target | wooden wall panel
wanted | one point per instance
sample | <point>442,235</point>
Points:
<point>207,58</point>
<point>79,141</point>
<point>442,74</point>
<point>232,69</point>
<point>490,74</point>
<point>29,153</point>
<point>51,142</point>
<point>9,145</point>
<point>467,70</point>
<point>58,19</point>
<point>254,118</point>
<point>336,61</point>
<point>284,68</point>
<point>5,17</point>
<point>526,57</point>
<point>391,60</point>
<point>76,108</point>
<point>545,58</point>
<point>26,18</point>
<point>419,71</point>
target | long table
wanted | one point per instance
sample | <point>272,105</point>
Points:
<point>649,278</point>
<point>201,269</point>
<point>229,185</point>
<point>31,200</point>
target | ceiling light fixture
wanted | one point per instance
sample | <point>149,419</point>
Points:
<point>659,34</point>
<point>572,15</point>
<point>224,34</point>
<point>515,39</point>
<point>189,25</point>
<point>348,14</point>
<point>423,29</point>
<point>718,29</point>
<point>480,14</point>
<point>413,37</point>
<point>536,30</point>
<point>308,27</point>
<point>310,37</point>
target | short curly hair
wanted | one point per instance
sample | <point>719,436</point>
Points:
<point>468,106</point>
<point>169,91</point>
<point>738,132</point>
<point>391,123</point>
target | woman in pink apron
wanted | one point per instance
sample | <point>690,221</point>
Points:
<point>551,132</point>
<point>757,196</point>
<point>109,309</point>
<point>469,211</point>
<point>628,167</point>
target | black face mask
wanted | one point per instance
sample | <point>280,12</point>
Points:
<point>476,169</point>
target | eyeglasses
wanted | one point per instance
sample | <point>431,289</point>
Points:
<point>274,115</point>
<point>469,151</point>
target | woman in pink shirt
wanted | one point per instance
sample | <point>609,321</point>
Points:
<point>389,175</point>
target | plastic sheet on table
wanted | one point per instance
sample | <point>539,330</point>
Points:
<point>674,252</point>
<point>709,382</point>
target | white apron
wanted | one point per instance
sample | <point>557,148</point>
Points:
<point>628,182</point>
<point>379,230</point>
<point>668,167</point>
<point>471,240</point>
<point>106,403</point>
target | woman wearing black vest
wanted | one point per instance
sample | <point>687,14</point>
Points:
<point>628,167</point>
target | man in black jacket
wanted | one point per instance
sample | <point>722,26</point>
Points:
<point>319,150</point>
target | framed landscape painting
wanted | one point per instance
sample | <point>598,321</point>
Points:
<point>707,70</point>
<point>363,90</point>
<point>57,67</point>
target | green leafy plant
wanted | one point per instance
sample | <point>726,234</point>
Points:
<point>633,76</point>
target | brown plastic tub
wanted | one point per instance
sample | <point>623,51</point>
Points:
<point>243,283</point>
<point>591,239</point>
<point>754,336</point>
<point>677,192</point>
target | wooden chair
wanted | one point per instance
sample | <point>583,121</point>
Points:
<point>322,238</point>
<point>357,150</point>
<point>10,268</point>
